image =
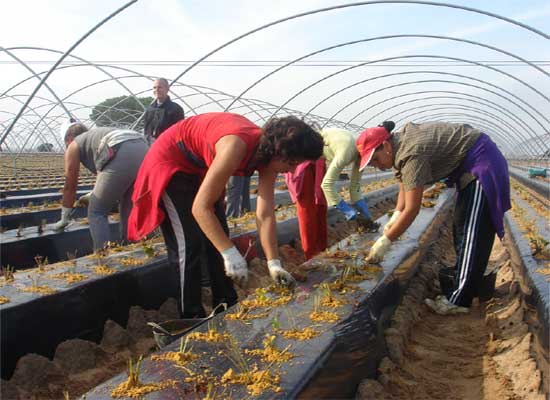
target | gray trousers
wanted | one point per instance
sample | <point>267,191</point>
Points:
<point>238,196</point>
<point>115,184</point>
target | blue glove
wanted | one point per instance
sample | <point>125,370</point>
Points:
<point>348,211</point>
<point>363,208</point>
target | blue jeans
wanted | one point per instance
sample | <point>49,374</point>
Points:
<point>238,196</point>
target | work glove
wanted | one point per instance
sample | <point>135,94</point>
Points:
<point>235,265</point>
<point>349,212</point>
<point>379,249</point>
<point>363,208</point>
<point>279,274</point>
<point>83,201</point>
<point>64,221</point>
<point>389,224</point>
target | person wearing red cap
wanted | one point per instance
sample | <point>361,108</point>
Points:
<point>180,186</point>
<point>468,159</point>
<point>313,187</point>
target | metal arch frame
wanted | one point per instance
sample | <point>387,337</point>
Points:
<point>498,94</point>
<point>305,14</point>
<point>461,120</point>
<point>482,125</point>
<point>448,97</point>
<point>320,10</point>
<point>52,133</point>
<point>417,82</point>
<point>84,61</point>
<point>410,73</point>
<point>491,104</point>
<point>502,110</point>
<point>28,123</point>
<point>434,81</point>
<point>33,73</point>
<point>448,106</point>
<point>198,89</point>
<point>500,134</point>
<point>118,80</point>
<point>60,102</point>
<point>376,38</point>
<point>53,68</point>
<point>507,135</point>
<point>14,97</point>
<point>412,56</point>
<point>471,117</point>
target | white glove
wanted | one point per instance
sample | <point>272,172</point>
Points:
<point>389,224</point>
<point>64,221</point>
<point>379,249</point>
<point>279,274</point>
<point>235,265</point>
<point>83,201</point>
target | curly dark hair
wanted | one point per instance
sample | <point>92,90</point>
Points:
<point>290,139</point>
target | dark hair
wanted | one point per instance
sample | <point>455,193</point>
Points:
<point>75,130</point>
<point>290,139</point>
<point>388,125</point>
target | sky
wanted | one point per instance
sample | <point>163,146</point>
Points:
<point>162,37</point>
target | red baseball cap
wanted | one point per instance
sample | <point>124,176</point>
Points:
<point>368,141</point>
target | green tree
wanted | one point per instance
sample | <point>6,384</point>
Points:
<point>121,111</point>
<point>45,147</point>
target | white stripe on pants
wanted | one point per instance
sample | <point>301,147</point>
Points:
<point>180,239</point>
<point>465,268</point>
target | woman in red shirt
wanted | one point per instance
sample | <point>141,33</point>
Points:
<point>180,186</point>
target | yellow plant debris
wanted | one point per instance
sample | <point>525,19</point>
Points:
<point>372,268</point>
<point>39,289</point>
<point>176,357</point>
<point>131,261</point>
<point>340,287</point>
<point>270,353</point>
<point>128,389</point>
<point>279,290</point>
<point>261,299</point>
<point>256,381</point>
<point>4,300</point>
<point>300,334</point>
<point>324,316</point>
<point>244,314</point>
<point>104,270</point>
<point>543,271</point>
<point>69,277</point>
<point>332,302</point>
<point>210,336</point>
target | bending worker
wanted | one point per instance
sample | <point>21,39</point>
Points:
<point>313,186</point>
<point>426,153</point>
<point>180,187</point>
<point>114,155</point>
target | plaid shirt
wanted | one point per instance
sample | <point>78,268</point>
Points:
<point>428,152</point>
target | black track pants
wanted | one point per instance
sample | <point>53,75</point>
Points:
<point>188,246</point>
<point>474,236</point>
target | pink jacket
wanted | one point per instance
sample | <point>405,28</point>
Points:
<point>295,180</point>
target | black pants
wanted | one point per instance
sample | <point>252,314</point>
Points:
<point>188,246</point>
<point>474,236</point>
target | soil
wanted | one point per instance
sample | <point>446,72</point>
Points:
<point>79,365</point>
<point>486,354</point>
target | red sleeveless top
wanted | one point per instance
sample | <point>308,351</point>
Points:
<point>189,147</point>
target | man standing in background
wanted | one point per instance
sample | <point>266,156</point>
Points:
<point>163,113</point>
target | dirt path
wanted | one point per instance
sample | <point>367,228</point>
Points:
<point>483,355</point>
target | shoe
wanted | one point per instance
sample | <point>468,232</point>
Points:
<point>442,306</point>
